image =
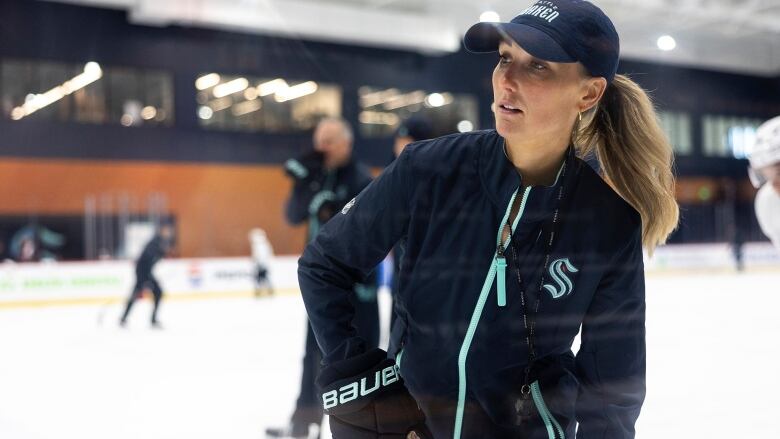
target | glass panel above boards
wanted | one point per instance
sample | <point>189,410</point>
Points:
<point>677,126</point>
<point>273,105</point>
<point>383,109</point>
<point>726,136</point>
<point>85,92</point>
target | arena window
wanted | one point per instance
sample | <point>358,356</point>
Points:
<point>85,92</point>
<point>273,105</point>
<point>725,136</point>
<point>677,126</point>
<point>383,109</point>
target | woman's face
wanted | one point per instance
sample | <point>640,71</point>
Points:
<point>539,99</point>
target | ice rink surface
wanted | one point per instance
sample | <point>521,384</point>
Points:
<point>227,368</point>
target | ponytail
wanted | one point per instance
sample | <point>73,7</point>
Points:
<point>635,156</point>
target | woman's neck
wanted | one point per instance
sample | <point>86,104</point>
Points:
<point>537,163</point>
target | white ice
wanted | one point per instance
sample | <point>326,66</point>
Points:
<point>227,368</point>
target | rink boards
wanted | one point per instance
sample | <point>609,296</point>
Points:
<point>49,283</point>
<point>58,283</point>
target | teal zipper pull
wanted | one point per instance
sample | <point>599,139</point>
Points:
<point>501,277</point>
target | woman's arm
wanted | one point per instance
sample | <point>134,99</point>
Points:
<point>345,251</point>
<point>611,359</point>
<point>361,389</point>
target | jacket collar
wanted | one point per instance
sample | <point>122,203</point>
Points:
<point>500,179</point>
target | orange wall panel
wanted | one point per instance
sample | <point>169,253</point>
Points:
<point>215,205</point>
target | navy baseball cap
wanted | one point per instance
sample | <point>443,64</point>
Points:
<point>556,31</point>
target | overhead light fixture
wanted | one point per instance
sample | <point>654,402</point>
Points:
<point>251,94</point>
<point>378,118</point>
<point>205,112</point>
<point>465,126</point>
<point>221,104</point>
<point>666,43</point>
<point>148,113</point>
<point>371,99</point>
<point>490,17</point>
<point>296,91</point>
<point>435,100</point>
<point>207,81</point>
<point>230,87</point>
<point>271,87</point>
<point>247,107</point>
<point>34,102</point>
<point>405,100</point>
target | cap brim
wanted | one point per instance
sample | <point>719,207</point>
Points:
<point>485,37</point>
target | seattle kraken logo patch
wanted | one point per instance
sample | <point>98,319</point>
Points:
<point>348,206</point>
<point>559,270</point>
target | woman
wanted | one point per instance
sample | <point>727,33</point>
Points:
<point>511,243</point>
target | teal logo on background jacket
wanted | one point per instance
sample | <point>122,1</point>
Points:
<point>558,273</point>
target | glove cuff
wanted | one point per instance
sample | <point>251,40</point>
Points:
<point>376,374</point>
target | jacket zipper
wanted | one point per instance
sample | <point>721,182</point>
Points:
<point>550,423</point>
<point>486,286</point>
<point>500,259</point>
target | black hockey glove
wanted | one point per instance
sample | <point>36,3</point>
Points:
<point>366,399</point>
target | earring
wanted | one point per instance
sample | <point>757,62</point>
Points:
<point>580,115</point>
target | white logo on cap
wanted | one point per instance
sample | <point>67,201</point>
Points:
<point>543,9</point>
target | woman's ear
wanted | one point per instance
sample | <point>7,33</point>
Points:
<point>593,90</point>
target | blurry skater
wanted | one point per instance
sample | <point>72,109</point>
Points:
<point>325,180</point>
<point>765,174</point>
<point>157,247</point>
<point>512,244</point>
<point>262,253</point>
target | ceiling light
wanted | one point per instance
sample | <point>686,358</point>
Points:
<point>205,112</point>
<point>465,126</point>
<point>435,100</point>
<point>271,87</point>
<point>148,112</point>
<point>296,91</point>
<point>207,81</point>
<point>221,104</point>
<point>228,88</point>
<point>34,102</point>
<point>490,17</point>
<point>666,43</point>
<point>247,107</point>
<point>251,94</point>
<point>378,118</point>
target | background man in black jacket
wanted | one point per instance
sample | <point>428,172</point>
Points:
<point>325,180</point>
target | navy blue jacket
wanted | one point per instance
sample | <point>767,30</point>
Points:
<point>462,351</point>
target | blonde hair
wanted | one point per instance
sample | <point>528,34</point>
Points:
<point>635,156</point>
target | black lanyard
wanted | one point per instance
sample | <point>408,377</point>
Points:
<point>529,320</point>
